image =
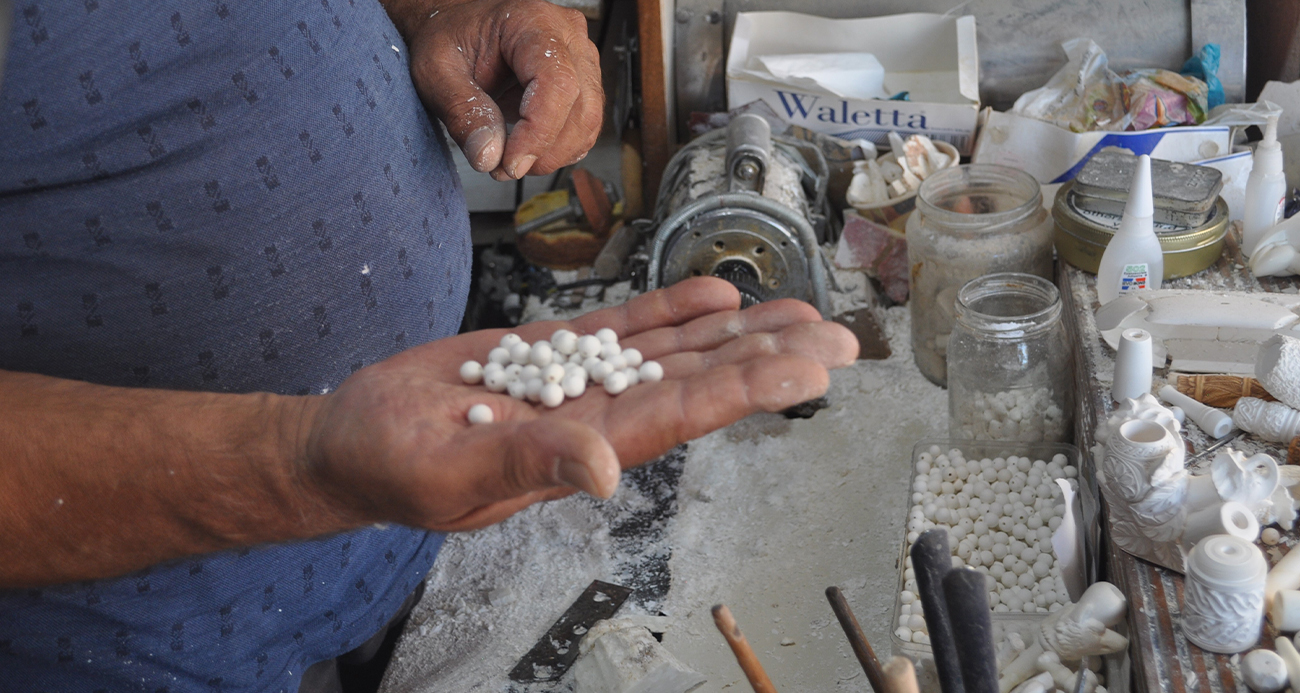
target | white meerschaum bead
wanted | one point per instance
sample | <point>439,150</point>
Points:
<point>609,350</point>
<point>606,335</point>
<point>542,354</point>
<point>564,341</point>
<point>480,414</point>
<point>517,388</point>
<point>615,383</point>
<point>471,372</point>
<point>499,355</point>
<point>651,372</point>
<point>633,357</point>
<point>533,390</point>
<point>632,376</point>
<point>495,381</point>
<point>617,361</point>
<point>588,346</point>
<point>492,366</point>
<point>574,385</point>
<point>552,395</point>
<point>511,339</point>
<point>521,353</point>
<point>601,371</point>
<point>513,370</point>
<point>529,372</point>
<point>553,373</point>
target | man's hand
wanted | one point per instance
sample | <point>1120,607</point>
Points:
<point>478,64</point>
<point>392,443</point>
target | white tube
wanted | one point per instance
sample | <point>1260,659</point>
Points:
<point>1214,422</point>
<point>1132,365</point>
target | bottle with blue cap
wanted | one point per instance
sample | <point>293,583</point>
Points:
<point>1134,260</point>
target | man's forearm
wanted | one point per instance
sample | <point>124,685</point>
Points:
<point>98,481</point>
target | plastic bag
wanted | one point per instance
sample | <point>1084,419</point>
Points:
<point>1087,95</point>
<point>1205,67</point>
<point>1158,98</point>
<point>1083,95</point>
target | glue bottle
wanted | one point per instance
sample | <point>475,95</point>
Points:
<point>1133,260</point>
<point>1265,190</point>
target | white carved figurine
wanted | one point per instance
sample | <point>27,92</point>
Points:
<point>1076,631</point>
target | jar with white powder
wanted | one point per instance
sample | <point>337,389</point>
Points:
<point>1009,362</point>
<point>969,221</point>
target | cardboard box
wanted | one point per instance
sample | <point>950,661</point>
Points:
<point>1054,154</point>
<point>930,56</point>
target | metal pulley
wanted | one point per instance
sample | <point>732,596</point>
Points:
<point>742,205</point>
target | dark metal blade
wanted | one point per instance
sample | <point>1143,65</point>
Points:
<point>556,651</point>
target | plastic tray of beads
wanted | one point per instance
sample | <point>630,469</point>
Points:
<point>1027,586</point>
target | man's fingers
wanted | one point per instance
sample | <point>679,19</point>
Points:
<point>472,118</point>
<point>650,419</point>
<point>675,305</point>
<point>550,452</point>
<point>829,344</point>
<point>557,64</point>
<point>712,330</point>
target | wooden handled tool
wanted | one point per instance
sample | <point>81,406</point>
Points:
<point>972,629</point>
<point>900,676</point>
<point>745,656</point>
<point>931,561</point>
<point>857,640</point>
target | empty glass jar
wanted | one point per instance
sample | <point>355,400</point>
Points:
<point>1010,365</point>
<point>969,221</point>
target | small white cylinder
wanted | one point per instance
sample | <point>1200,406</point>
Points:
<point>1285,611</point>
<point>1229,518</point>
<point>1214,422</point>
<point>1132,365</point>
<point>1224,594</point>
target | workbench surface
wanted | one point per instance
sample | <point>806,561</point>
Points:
<point>1162,659</point>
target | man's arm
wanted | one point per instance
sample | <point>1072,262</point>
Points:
<point>98,481</point>
<point>478,64</point>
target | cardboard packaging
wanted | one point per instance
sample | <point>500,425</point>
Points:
<point>932,57</point>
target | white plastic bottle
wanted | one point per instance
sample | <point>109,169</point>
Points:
<point>1133,260</point>
<point>1265,190</point>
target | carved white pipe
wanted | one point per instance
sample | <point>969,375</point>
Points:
<point>1230,517</point>
<point>1211,420</point>
<point>1284,576</point>
<point>1223,595</point>
<point>1272,421</point>
<point>1277,366</point>
<point>1132,365</point>
<point>1287,652</point>
<point>1020,669</point>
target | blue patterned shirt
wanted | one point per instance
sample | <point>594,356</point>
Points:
<point>223,196</point>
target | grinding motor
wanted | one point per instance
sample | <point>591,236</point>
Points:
<point>746,206</point>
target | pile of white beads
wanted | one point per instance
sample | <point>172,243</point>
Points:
<point>1022,415</point>
<point>1000,515</point>
<point>550,371</point>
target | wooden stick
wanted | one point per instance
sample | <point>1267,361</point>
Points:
<point>900,677</point>
<point>745,656</point>
<point>857,639</point>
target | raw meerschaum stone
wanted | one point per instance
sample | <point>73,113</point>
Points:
<point>1264,671</point>
<point>621,656</point>
<point>1277,367</point>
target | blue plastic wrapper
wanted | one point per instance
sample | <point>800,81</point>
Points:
<point>1205,67</point>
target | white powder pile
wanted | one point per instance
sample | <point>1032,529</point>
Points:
<point>769,512</point>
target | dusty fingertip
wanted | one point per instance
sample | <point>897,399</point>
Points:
<point>522,166</point>
<point>482,149</point>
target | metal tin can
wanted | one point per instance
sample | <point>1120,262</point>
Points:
<point>1081,237</point>
<point>1183,194</point>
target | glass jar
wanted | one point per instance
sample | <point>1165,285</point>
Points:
<point>1009,362</point>
<point>969,221</point>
